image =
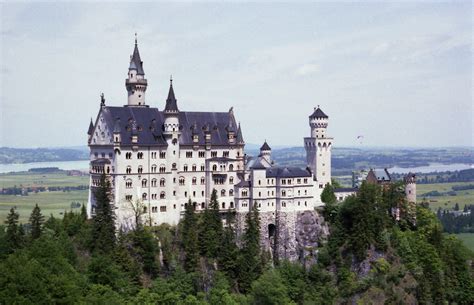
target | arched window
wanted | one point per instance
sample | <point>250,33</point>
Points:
<point>153,168</point>
<point>128,183</point>
<point>162,168</point>
<point>231,180</point>
<point>153,182</point>
<point>194,167</point>
<point>140,169</point>
<point>222,193</point>
<point>129,170</point>
<point>181,180</point>
<point>194,180</point>
<point>162,182</point>
<point>223,205</point>
<point>231,192</point>
<point>144,196</point>
<point>231,167</point>
<point>162,195</point>
<point>203,180</point>
<point>144,183</point>
<point>173,166</point>
<point>185,167</point>
<point>244,193</point>
<point>283,204</point>
<point>231,204</point>
<point>214,167</point>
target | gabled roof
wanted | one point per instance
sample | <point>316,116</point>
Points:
<point>318,113</point>
<point>135,61</point>
<point>265,146</point>
<point>240,138</point>
<point>171,103</point>
<point>286,172</point>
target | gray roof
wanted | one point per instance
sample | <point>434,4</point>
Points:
<point>171,102</point>
<point>265,146</point>
<point>148,123</point>
<point>240,138</point>
<point>136,62</point>
<point>382,174</point>
<point>287,172</point>
<point>345,190</point>
<point>243,183</point>
<point>91,128</point>
<point>318,113</point>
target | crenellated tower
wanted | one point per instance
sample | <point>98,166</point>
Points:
<point>136,83</point>
<point>318,148</point>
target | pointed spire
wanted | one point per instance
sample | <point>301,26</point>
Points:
<point>91,128</point>
<point>318,113</point>
<point>171,102</point>
<point>240,138</point>
<point>265,146</point>
<point>135,61</point>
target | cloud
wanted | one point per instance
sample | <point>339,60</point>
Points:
<point>307,69</point>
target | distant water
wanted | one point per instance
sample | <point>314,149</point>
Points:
<point>433,167</point>
<point>65,165</point>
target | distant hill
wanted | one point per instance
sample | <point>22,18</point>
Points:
<point>10,155</point>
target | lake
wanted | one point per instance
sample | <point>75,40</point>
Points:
<point>65,165</point>
<point>433,167</point>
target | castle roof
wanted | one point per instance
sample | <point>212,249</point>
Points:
<point>265,146</point>
<point>286,172</point>
<point>171,102</point>
<point>147,123</point>
<point>135,61</point>
<point>240,138</point>
<point>318,113</point>
<point>91,128</point>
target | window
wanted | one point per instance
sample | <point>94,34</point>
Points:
<point>231,192</point>
<point>259,182</point>
<point>140,169</point>
<point>162,195</point>
<point>185,167</point>
<point>231,204</point>
<point>213,154</point>
<point>231,167</point>
<point>305,180</point>
<point>129,170</point>
<point>128,183</point>
<point>231,180</point>
<point>153,155</point>
<point>203,168</point>
<point>173,166</point>
<point>225,154</point>
<point>283,181</point>
<point>103,155</point>
<point>222,193</point>
<point>140,155</point>
<point>283,204</point>
<point>181,180</point>
<point>144,196</point>
<point>244,193</point>
<point>189,154</point>
<point>128,197</point>
<point>214,167</point>
<point>154,209</point>
<point>244,204</point>
<point>153,182</point>
<point>194,180</point>
<point>162,154</point>
<point>298,181</point>
<point>320,186</point>
<point>128,155</point>
<point>194,167</point>
<point>203,180</point>
<point>202,154</point>
<point>223,205</point>
<point>153,196</point>
<point>162,168</point>
<point>153,168</point>
<point>162,182</point>
<point>283,193</point>
<point>163,208</point>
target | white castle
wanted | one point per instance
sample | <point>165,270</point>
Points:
<point>158,160</point>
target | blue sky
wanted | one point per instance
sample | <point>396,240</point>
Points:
<point>400,74</point>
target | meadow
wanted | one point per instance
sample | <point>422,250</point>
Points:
<point>59,178</point>
<point>464,197</point>
<point>467,238</point>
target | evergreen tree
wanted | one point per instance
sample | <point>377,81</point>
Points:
<point>250,266</point>
<point>103,232</point>
<point>36,221</point>
<point>229,253</point>
<point>456,207</point>
<point>84,212</point>
<point>189,237</point>
<point>13,234</point>
<point>327,196</point>
<point>211,229</point>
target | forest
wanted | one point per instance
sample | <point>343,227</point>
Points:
<point>368,258</point>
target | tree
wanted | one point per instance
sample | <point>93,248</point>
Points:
<point>456,207</point>
<point>189,237</point>
<point>84,212</point>
<point>229,253</point>
<point>13,234</point>
<point>270,289</point>
<point>327,196</point>
<point>211,229</point>
<point>36,221</point>
<point>103,232</point>
<point>250,266</point>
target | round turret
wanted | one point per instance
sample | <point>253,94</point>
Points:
<point>318,121</point>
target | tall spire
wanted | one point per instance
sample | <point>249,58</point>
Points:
<point>135,61</point>
<point>91,128</point>
<point>171,103</point>
<point>240,138</point>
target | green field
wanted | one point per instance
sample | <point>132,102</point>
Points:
<point>37,179</point>
<point>50,202</point>
<point>445,201</point>
<point>468,239</point>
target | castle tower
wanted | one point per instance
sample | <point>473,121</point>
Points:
<point>171,112</point>
<point>266,152</point>
<point>136,83</point>
<point>410,187</point>
<point>318,148</point>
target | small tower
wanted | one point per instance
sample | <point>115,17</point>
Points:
<point>318,148</point>
<point>136,83</point>
<point>230,128</point>
<point>171,113</point>
<point>90,131</point>
<point>410,187</point>
<point>266,152</point>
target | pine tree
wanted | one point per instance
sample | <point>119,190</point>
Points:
<point>211,229</point>
<point>250,266</point>
<point>103,231</point>
<point>36,221</point>
<point>83,212</point>
<point>229,253</point>
<point>327,196</point>
<point>189,237</point>
<point>13,236</point>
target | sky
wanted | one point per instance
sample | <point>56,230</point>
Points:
<point>398,74</point>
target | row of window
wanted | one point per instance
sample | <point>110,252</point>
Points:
<point>182,181</point>
<point>162,168</point>
<point>96,154</point>
<point>285,181</point>
<point>283,204</point>
<point>162,154</point>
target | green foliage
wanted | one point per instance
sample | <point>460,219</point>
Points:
<point>327,196</point>
<point>36,221</point>
<point>189,237</point>
<point>211,229</point>
<point>103,233</point>
<point>14,238</point>
<point>229,254</point>
<point>270,289</point>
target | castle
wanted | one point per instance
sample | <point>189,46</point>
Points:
<point>157,161</point>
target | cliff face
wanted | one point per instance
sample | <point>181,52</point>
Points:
<point>290,235</point>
